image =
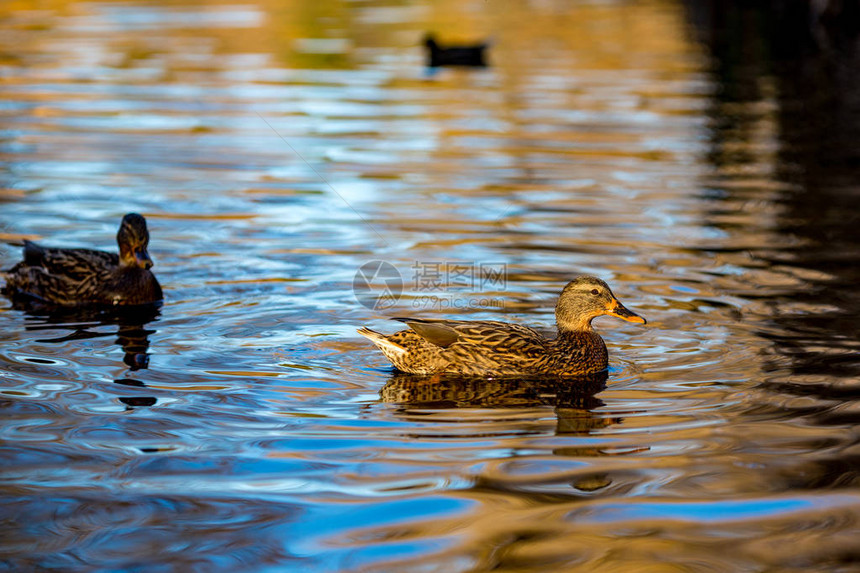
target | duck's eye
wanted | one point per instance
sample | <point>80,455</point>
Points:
<point>595,292</point>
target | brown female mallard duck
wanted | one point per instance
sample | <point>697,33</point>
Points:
<point>493,348</point>
<point>73,277</point>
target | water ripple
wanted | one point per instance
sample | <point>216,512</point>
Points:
<point>275,150</point>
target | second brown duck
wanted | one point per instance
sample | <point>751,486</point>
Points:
<point>78,277</point>
<point>494,348</point>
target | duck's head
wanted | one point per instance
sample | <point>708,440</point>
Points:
<point>586,298</point>
<point>430,41</point>
<point>133,239</point>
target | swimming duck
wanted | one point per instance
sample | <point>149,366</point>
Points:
<point>454,55</point>
<point>494,348</point>
<point>74,277</point>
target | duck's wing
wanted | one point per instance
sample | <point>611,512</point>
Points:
<point>491,335</point>
<point>75,264</point>
<point>38,283</point>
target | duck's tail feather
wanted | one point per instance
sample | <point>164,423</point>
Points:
<point>367,333</point>
<point>382,341</point>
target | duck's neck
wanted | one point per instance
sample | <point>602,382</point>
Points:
<point>578,335</point>
<point>585,343</point>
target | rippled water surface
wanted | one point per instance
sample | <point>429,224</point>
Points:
<point>275,147</point>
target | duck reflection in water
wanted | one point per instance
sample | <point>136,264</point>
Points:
<point>453,391</point>
<point>574,401</point>
<point>573,398</point>
<point>82,322</point>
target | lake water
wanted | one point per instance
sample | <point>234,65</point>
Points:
<point>277,147</point>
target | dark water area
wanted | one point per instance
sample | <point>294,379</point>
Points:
<point>703,158</point>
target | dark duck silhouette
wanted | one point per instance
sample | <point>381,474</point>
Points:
<point>77,277</point>
<point>454,55</point>
<point>493,348</point>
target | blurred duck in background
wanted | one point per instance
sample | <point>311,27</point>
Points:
<point>467,55</point>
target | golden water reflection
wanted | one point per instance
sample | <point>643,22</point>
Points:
<point>276,146</point>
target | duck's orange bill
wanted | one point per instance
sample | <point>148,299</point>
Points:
<point>620,311</point>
